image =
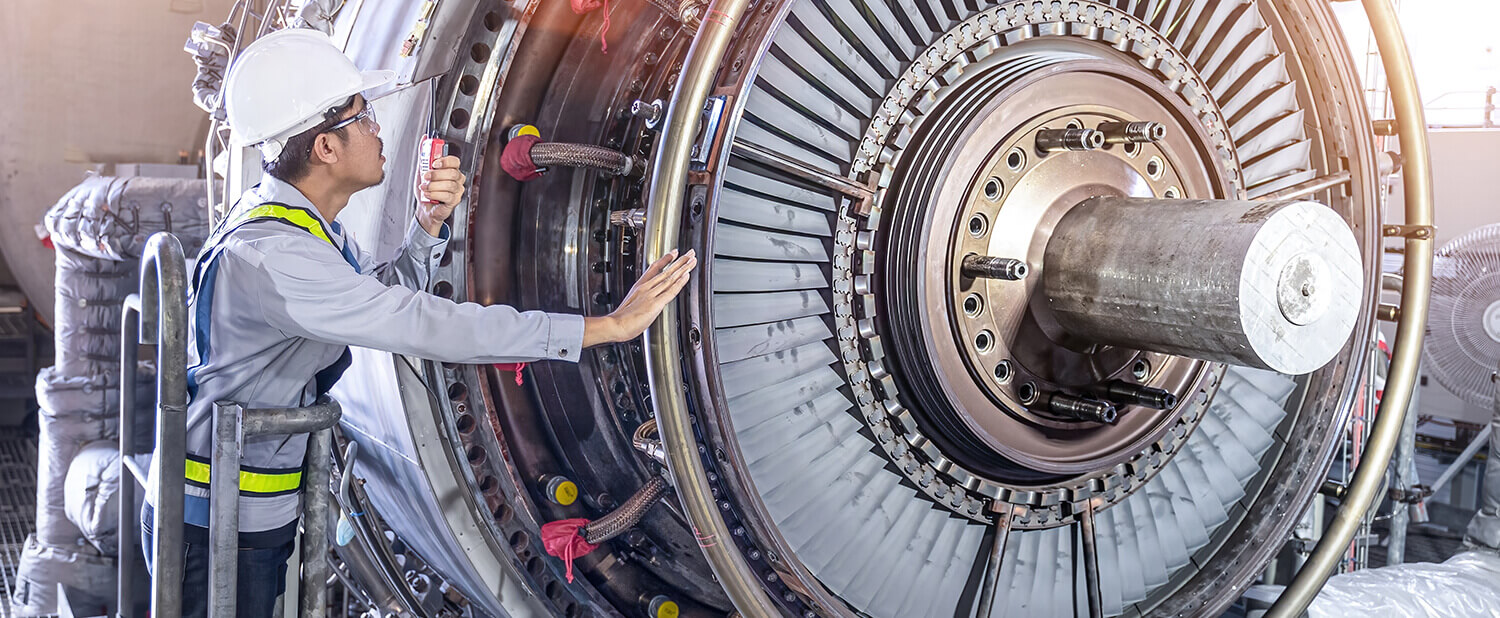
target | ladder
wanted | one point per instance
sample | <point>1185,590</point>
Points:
<point>158,316</point>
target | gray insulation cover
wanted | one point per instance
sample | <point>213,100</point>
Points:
<point>98,229</point>
<point>111,218</point>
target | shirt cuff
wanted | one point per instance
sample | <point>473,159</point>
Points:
<point>564,337</point>
<point>428,250</point>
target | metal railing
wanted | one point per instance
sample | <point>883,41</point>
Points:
<point>1407,347</point>
<point>158,316</point>
<point>663,212</point>
<point>162,297</point>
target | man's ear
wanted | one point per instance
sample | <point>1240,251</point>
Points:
<point>326,149</point>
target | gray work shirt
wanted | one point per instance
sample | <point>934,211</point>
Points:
<point>285,305</point>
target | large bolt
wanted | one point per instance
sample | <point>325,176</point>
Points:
<point>1078,408</point>
<point>650,112</point>
<point>1050,140</point>
<point>987,267</point>
<point>1122,392</point>
<point>1139,132</point>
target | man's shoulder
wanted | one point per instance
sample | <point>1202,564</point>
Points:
<point>269,240</point>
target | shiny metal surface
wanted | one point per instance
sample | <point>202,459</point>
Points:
<point>1406,349</point>
<point>1271,285</point>
<point>838,115</point>
<point>162,321</point>
<point>664,210</point>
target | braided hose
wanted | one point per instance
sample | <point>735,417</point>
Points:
<point>545,154</point>
<point>688,12</point>
<point>628,515</point>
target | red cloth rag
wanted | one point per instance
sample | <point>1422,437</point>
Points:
<point>583,6</point>
<point>516,367</point>
<point>564,539</point>
<point>516,159</point>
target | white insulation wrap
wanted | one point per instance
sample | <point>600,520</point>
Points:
<point>1466,585</point>
<point>111,218</point>
<point>89,493</point>
<point>98,229</point>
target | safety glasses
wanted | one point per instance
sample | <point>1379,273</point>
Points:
<point>367,112</point>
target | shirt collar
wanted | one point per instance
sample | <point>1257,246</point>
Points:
<point>272,189</point>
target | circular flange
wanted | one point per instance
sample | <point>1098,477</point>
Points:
<point>1005,43</point>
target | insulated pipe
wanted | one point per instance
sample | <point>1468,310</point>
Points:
<point>1407,348</point>
<point>664,364</point>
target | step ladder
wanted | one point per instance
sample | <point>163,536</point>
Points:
<point>158,316</point>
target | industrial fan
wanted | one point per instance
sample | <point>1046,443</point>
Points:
<point>1463,328</point>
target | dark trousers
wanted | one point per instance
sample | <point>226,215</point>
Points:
<point>262,577</point>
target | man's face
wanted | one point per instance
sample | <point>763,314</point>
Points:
<point>363,164</point>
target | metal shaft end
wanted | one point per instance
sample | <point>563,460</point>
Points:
<point>986,267</point>
<point>1139,132</point>
<point>1051,140</point>
<point>1122,392</point>
<point>1078,408</point>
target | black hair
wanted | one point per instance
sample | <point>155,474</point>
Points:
<point>294,162</point>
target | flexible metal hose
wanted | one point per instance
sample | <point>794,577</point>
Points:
<point>614,162</point>
<point>628,515</point>
<point>687,12</point>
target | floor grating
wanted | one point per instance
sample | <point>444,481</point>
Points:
<point>17,504</point>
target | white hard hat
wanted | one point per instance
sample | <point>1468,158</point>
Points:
<point>281,85</point>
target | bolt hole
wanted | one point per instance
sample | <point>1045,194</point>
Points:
<point>1153,168</point>
<point>553,590</point>
<point>1015,160</point>
<point>489,486</point>
<point>978,225</point>
<point>1003,372</point>
<point>477,455</point>
<point>465,423</point>
<point>534,566</point>
<point>1141,369</point>
<point>1172,193</point>
<point>519,540</point>
<point>973,304</point>
<point>457,391</point>
<point>502,515</point>
<point>1132,149</point>
<point>992,189</point>
<point>984,341</point>
<point>1027,393</point>
<point>479,52</point>
<point>493,21</point>
<point>443,289</point>
<point>468,85</point>
<point>459,118</point>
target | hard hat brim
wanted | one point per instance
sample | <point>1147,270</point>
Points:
<point>368,80</point>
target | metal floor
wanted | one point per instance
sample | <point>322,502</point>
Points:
<point>17,503</point>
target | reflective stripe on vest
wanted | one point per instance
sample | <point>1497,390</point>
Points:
<point>251,482</point>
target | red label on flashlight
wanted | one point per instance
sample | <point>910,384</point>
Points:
<point>429,150</point>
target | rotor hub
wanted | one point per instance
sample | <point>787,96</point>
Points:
<point>1001,380</point>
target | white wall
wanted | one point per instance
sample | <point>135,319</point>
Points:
<point>81,82</point>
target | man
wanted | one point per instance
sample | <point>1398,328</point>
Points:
<point>280,292</point>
